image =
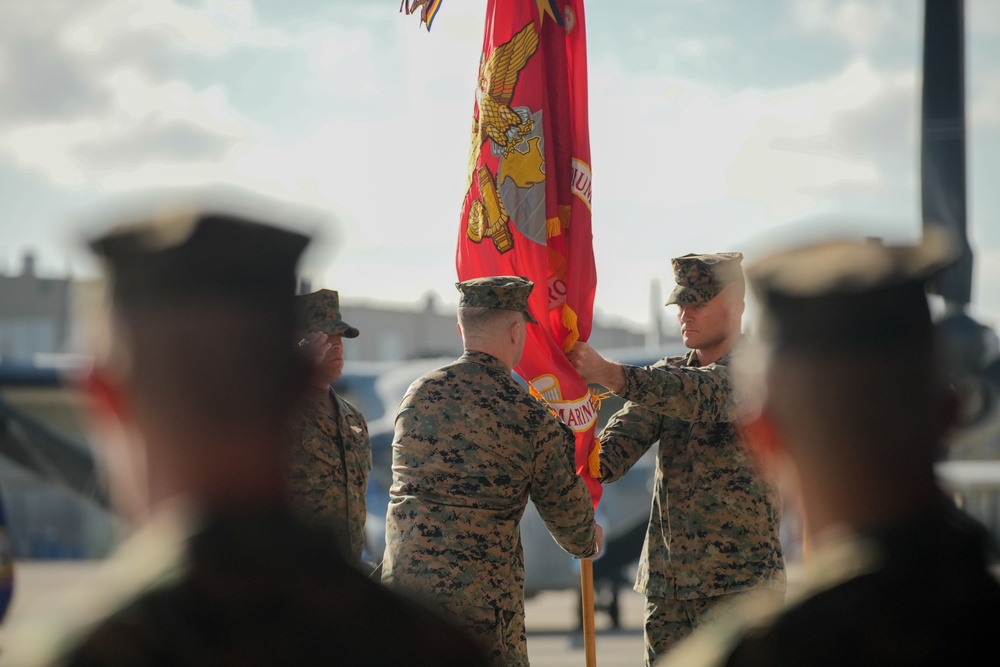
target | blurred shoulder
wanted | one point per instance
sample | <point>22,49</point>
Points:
<point>712,644</point>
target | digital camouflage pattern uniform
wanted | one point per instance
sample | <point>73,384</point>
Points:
<point>471,447</point>
<point>714,521</point>
<point>331,452</point>
<point>330,462</point>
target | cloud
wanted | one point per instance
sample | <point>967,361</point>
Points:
<point>41,79</point>
<point>97,86</point>
<point>981,56</point>
<point>820,142</point>
<point>212,29</point>
<point>152,138</point>
<point>43,146</point>
<point>684,144</point>
<point>147,122</point>
<point>682,166</point>
<point>860,23</point>
<point>711,122</point>
<point>983,109</point>
<point>982,18</point>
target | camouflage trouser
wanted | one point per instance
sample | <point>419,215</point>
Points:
<point>669,620</point>
<point>501,633</point>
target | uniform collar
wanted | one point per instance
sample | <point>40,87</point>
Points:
<point>691,358</point>
<point>484,359</point>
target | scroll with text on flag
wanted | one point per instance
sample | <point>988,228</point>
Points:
<point>527,204</point>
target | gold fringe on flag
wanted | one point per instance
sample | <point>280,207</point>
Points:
<point>599,398</point>
<point>553,227</point>
<point>594,459</point>
<point>534,392</point>
<point>565,213</point>
<point>569,321</point>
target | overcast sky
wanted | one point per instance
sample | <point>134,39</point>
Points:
<point>716,125</point>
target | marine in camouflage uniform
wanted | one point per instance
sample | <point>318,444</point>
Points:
<point>471,447</point>
<point>857,404</point>
<point>199,366</point>
<point>331,453</point>
<point>715,517</point>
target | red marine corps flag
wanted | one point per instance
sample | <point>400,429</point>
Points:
<point>527,204</point>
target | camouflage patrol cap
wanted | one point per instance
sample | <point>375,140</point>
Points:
<point>202,255</point>
<point>701,277</point>
<point>848,296</point>
<point>504,292</point>
<point>320,311</point>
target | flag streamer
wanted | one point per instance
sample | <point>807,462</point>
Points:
<point>428,10</point>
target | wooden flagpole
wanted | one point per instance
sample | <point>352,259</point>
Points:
<point>587,590</point>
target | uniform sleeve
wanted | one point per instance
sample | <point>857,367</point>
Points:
<point>690,394</point>
<point>559,494</point>
<point>628,435</point>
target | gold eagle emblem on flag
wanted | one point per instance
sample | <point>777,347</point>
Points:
<point>506,128</point>
<point>497,79</point>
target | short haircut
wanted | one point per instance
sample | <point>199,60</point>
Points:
<point>479,320</point>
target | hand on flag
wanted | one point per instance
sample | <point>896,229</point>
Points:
<point>595,369</point>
